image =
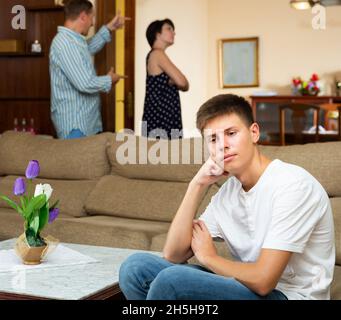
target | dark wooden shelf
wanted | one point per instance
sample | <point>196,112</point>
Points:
<point>44,8</point>
<point>24,98</point>
<point>21,54</point>
<point>292,99</point>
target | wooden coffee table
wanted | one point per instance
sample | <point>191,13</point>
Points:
<point>94,281</point>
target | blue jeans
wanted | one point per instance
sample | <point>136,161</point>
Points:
<point>145,276</point>
<point>75,134</point>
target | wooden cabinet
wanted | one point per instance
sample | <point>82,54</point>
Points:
<point>266,113</point>
<point>25,81</point>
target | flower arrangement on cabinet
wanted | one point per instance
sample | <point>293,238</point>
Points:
<point>34,208</point>
<point>305,88</point>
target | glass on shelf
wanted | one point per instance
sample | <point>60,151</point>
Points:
<point>31,128</point>
<point>16,125</point>
<point>23,125</point>
<point>36,47</point>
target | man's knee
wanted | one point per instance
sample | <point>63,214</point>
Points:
<point>134,266</point>
<point>168,283</point>
<point>175,274</point>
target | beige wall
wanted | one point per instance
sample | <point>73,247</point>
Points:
<point>288,45</point>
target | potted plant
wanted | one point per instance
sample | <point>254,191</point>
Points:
<point>36,212</point>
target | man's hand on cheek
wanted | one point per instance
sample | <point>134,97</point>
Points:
<point>219,160</point>
<point>209,173</point>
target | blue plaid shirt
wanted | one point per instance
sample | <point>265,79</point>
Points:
<point>75,86</point>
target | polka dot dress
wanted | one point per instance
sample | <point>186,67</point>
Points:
<point>162,108</point>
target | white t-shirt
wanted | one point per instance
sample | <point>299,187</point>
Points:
<point>288,210</point>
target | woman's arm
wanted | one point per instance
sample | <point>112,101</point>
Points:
<point>167,66</point>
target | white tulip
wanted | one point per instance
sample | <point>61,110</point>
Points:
<point>43,189</point>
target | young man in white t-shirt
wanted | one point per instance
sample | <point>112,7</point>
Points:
<point>274,217</point>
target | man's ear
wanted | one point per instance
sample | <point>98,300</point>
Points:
<point>82,16</point>
<point>254,131</point>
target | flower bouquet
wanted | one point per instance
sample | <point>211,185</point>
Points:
<point>36,212</point>
<point>306,88</point>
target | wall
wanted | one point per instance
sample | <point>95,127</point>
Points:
<point>288,45</point>
<point>189,53</point>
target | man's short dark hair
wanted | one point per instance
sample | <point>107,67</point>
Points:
<point>156,27</point>
<point>224,104</point>
<point>73,8</point>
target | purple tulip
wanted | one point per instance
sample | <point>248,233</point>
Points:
<point>53,214</point>
<point>19,187</point>
<point>32,170</point>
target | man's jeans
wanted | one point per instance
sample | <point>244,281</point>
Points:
<point>144,276</point>
<point>75,134</point>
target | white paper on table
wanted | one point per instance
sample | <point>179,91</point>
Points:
<point>60,257</point>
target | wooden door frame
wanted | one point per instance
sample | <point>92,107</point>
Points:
<point>129,115</point>
<point>104,60</point>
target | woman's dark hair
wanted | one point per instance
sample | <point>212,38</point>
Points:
<point>224,104</point>
<point>73,8</point>
<point>156,27</point>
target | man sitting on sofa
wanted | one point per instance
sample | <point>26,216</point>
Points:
<point>275,218</point>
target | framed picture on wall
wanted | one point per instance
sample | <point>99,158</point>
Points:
<point>238,62</point>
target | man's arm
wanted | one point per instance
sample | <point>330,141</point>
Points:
<point>261,276</point>
<point>178,244</point>
<point>103,36</point>
<point>98,41</point>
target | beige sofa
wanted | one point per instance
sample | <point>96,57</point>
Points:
<point>107,203</point>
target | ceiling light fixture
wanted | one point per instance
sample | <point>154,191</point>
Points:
<point>307,4</point>
<point>302,4</point>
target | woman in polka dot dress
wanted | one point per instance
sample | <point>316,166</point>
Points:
<point>162,108</point>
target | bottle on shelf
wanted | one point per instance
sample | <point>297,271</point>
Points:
<point>23,125</point>
<point>31,128</point>
<point>16,125</point>
<point>36,47</point>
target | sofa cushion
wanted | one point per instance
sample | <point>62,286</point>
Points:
<point>100,231</point>
<point>72,194</point>
<point>109,231</point>
<point>336,207</point>
<point>322,160</point>
<point>12,224</point>
<point>141,158</point>
<point>335,290</point>
<point>80,159</point>
<point>140,199</point>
